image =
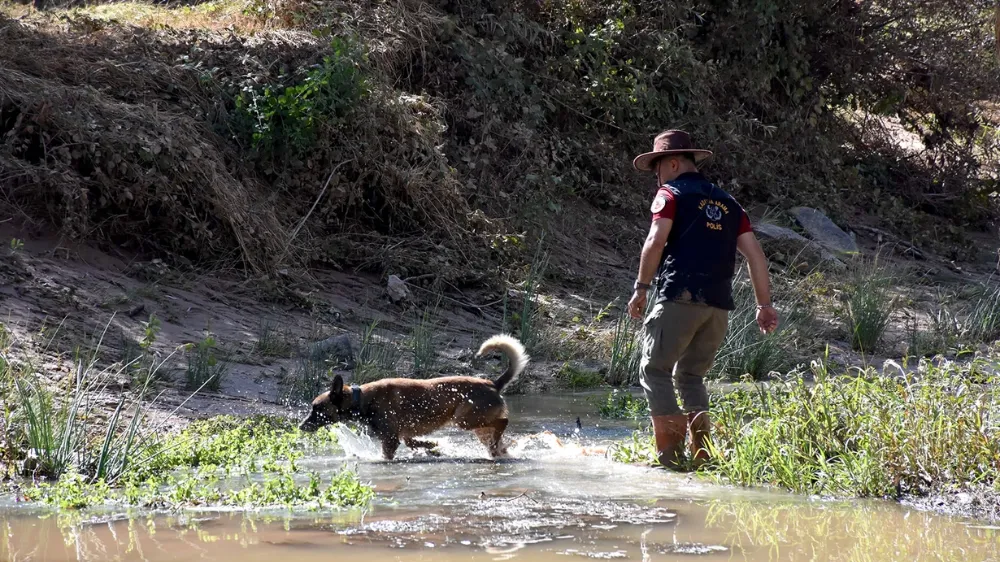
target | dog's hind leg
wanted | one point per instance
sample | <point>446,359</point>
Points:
<point>389,446</point>
<point>492,437</point>
<point>428,446</point>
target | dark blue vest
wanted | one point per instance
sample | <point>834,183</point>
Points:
<point>699,260</point>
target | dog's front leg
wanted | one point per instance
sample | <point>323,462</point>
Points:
<point>389,446</point>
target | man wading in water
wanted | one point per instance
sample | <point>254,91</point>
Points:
<point>691,247</point>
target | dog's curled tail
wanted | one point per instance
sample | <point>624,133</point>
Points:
<point>517,358</point>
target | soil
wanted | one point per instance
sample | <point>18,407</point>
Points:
<point>975,502</point>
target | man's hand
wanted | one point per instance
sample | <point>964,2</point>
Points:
<point>637,304</point>
<point>767,319</point>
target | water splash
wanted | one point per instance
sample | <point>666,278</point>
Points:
<point>359,445</point>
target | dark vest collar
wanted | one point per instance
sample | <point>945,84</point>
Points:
<point>688,176</point>
<point>356,401</point>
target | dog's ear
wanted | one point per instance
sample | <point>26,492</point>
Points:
<point>336,387</point>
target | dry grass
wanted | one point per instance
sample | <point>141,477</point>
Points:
<point>215,15</point>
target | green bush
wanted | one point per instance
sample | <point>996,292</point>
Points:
<point>285,121</point>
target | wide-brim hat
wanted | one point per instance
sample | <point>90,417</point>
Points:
<point>667,143</point>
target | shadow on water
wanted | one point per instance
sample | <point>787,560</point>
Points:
<point>552,499</point>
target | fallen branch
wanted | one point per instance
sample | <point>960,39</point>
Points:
<point>302,222</point>
<point>907,247</point>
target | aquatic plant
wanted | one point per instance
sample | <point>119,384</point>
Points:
<point>221,461</point>
<point>277,488</point>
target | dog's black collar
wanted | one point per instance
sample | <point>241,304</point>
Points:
<point>356,401</point>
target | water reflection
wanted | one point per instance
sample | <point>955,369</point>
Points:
<point>858,531</point>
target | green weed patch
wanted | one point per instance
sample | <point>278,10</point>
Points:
<point>862,434</point>
<point>220,462</point>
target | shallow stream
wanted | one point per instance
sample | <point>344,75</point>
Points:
<point>557,498</point>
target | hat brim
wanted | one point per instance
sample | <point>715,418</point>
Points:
<point>644,162</point>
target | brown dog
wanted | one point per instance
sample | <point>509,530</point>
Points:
<point>404,409</point>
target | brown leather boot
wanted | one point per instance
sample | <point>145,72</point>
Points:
<point>669,434</point>
<point>700,428</point>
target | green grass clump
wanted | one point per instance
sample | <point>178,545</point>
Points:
<point>70,432</point>
<point>279,488</point>
<point>309,378</point>
<point>526,322</point>
<point>869,307</point>
<point>579,379</point>
<point>377,356</point>
<point>422,345</point>
<point>205,370</point>
<point>274,342</point>
<point>622,405</point>
<point>864,436</point>
<point>747,352</point>
<point>221,461</point>
<point>626,351</point>
<point>982,322</point>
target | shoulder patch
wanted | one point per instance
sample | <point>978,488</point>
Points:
<point>658,204</point>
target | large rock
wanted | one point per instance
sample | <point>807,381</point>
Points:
<point>397,289</point>
<point>794,246</point>
<point>823,230</point>
<point>337,349</point>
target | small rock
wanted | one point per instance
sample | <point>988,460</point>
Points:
<point>336,348</point>
<point>397,289</point>
<point>787,241</point>
<point>824,231</point>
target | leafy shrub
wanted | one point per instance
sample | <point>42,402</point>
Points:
<point>285,122</point>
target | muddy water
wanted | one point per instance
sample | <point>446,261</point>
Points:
<point>553,500</point>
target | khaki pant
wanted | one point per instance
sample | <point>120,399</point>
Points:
<point>679,347</point>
